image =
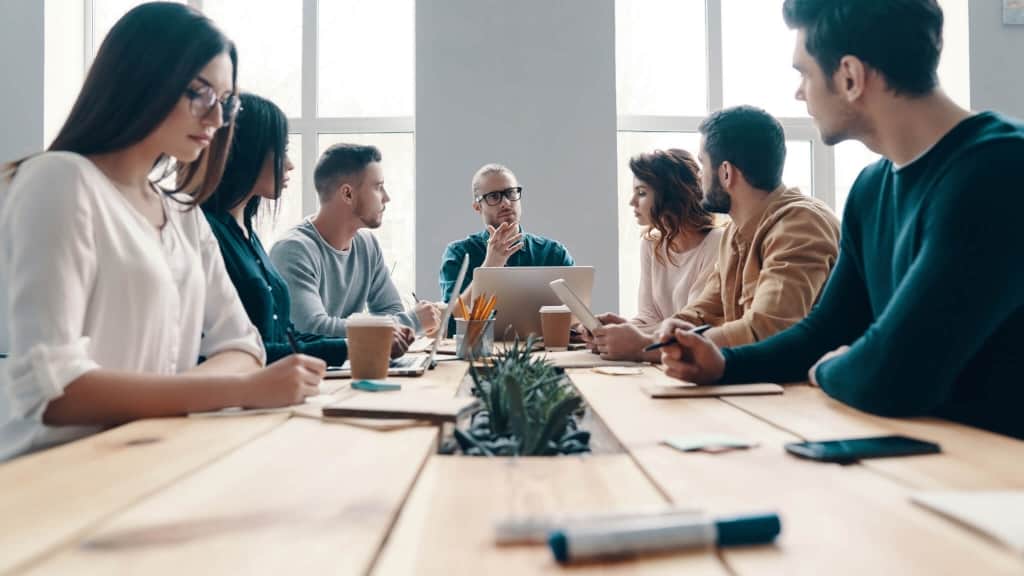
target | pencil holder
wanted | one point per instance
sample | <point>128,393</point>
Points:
<point>476,333</point>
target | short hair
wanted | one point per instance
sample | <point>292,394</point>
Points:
<point>901,39</point>
<point>750,139</point>
<point>488,170</point>
<point>674,176</point>
<point>341,161</point>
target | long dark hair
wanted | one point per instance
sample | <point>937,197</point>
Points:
<point>261,128</point>
<point>674,177</point>
<point>140,73</point>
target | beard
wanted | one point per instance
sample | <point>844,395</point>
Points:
<point>370,218</point>
<point>716,199</point>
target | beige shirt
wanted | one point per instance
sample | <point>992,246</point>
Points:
<point>770,271</point>
<point>667,286</point>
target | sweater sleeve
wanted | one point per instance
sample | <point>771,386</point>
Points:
<point>647,312</point>
<point>958,291</point>
<point>383,298</point>
<point>300,271</point>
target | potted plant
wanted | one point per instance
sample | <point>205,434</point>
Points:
<point>529,407</point>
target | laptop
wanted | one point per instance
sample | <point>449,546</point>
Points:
<point>522,290</point>
<point>412,365</point>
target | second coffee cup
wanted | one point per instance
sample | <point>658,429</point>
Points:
<point>554,323</point>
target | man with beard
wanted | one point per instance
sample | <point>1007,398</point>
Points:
<point>777,250</point>
<point>333,264</point>
<point>496,197</point>
<point>924,313</point>
<point>780,245</point>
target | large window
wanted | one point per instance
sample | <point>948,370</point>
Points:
<point>341,70</point>
<point>676,60</point>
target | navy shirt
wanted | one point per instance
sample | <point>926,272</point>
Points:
<point>265,295</point>
<point>928,290</point>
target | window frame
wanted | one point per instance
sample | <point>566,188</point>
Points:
<point>309,126</point>
<point>796,128</point>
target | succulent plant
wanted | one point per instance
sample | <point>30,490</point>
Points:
<point>528,407</point>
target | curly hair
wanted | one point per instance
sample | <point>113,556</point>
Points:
<point>674,177</point>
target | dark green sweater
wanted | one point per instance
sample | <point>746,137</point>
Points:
<point>928,291</point>
<point>265,294</point>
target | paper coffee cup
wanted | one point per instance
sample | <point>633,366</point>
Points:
<point>554,323</point>
<point>369,345</point>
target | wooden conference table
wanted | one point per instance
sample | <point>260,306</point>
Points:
<point>282,493</point>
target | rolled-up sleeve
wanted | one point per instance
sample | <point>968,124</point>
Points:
<point>47,270</point>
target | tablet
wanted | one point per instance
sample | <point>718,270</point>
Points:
<point>579,309</point>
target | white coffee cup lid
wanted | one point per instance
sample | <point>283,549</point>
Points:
<point>363,319</point>
<point>553,309</point>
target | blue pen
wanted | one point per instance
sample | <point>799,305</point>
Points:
<point>601,540</point>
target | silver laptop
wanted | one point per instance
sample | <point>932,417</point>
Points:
<point>412,365</point>
<point>522,290</point>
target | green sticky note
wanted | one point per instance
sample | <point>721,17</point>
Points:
<point>708,443</point>
<point>371,386</point>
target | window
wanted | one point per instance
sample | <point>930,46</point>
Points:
<point>676,60</point>
<point>341,71</point>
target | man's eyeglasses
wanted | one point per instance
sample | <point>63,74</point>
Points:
<point>513,194</point>
<point>203,99</point>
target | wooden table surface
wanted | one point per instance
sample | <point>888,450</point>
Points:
<point>282,493</point>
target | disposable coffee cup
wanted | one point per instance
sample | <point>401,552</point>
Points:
<point>369,345</point>
<point>554,323</point>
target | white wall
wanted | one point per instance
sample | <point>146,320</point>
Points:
<point>21,90</point>
<point>997,72</point>
<point>531,84</point>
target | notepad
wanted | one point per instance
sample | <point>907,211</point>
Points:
<point>688,390</point>
<point>999,515</point>
<point>584,359</point>
<point>432,407</point>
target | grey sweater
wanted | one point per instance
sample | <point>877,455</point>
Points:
<point>329,285</point>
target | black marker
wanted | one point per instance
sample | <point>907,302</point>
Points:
<point>698,330</point>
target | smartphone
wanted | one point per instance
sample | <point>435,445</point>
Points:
<point>845,451</point>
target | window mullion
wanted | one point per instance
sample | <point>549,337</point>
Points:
<point>713,21</point>
<point>308,126</point>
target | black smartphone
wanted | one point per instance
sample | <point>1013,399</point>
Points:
<point>845,451</point>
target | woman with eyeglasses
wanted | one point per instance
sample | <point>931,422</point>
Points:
<point>255,174</point>
<point>114,287</point>
<point>677,253</point>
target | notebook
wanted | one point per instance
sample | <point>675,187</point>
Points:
<point>432,407</point>
<point>688,390</point>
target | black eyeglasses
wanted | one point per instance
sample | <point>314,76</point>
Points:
<point>513,194</point>
<point>203,99</point>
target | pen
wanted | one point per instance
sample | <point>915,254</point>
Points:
<point>291,341</point>
<point>414,297</point>
<point>698,330</point>
<point>658,534</point>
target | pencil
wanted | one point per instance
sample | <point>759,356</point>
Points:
<point>698,330</point>
<point>291,341</point>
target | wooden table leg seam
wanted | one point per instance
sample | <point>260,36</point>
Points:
<point>372,564</point>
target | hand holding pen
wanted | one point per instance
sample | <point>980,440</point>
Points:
<point>689,356</point>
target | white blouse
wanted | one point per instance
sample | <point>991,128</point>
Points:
<point>666,288</point>
<point>87,282</point>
